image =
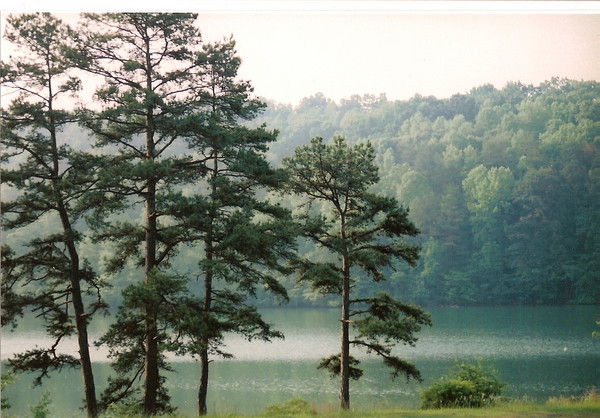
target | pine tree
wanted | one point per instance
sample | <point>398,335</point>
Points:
<point>152,66</point>
<point>244,239</point>
<point>50,182</point>
<point>363,232</point>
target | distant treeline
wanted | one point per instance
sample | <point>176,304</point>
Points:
<point>504,185</point>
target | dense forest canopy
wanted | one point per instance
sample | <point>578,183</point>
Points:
<point>504,185</point>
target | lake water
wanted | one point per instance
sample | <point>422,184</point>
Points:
<point>540,352</point>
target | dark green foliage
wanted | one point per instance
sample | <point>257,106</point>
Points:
<point>47,182</point>
<point>383,322</point>
<point>43,361</point>
<point>451,393</point>
<point>364,232</point>
<point>13,300</point>
<point>166,298</point>
<point>244,240</point>
<point>333,366</point>
<point>468,386</point>
<point>153,68</point>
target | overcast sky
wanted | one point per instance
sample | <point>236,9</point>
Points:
<point>358,47</point>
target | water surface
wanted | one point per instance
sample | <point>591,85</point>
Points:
<point>538,351</point>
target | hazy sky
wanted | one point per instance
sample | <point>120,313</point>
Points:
<point>288,57</point>
<point>353,48</point>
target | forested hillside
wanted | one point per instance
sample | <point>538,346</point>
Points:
<point>503,184</point>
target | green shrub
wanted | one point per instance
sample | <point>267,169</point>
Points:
<point>41,409</point>
<point>295,406</point>
<point>468,386</point>
<point>124,410</point>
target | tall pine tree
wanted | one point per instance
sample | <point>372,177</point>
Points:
<point>152,66</point>
<point>51,182</point>
<point>244,239</point>
<point>363,232</point>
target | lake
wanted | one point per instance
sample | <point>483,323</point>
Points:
<point>540,352</point>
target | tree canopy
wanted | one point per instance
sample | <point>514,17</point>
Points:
<point>361,232</point>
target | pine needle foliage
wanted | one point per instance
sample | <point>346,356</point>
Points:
<point>48,182</point>
<point>365,232</point>
<point>243,240</point>
<point>152,69</point>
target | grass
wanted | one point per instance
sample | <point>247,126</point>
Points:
<point>583,406</point>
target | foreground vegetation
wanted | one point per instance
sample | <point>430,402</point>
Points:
<point>587,405</point>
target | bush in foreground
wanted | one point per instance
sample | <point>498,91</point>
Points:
<point>468,386</point>
<point>295,406</point>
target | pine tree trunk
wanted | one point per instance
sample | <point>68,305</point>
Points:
<point>151,367</point>
<point>203,388</point>
<point>82,336</point>
<point>208,282</point>
<point>151,384</point>
<point>80,318</point>
<point>204,363</point>
<point>345,346</point>
<point>85,361</point>
<point>84,357</point>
